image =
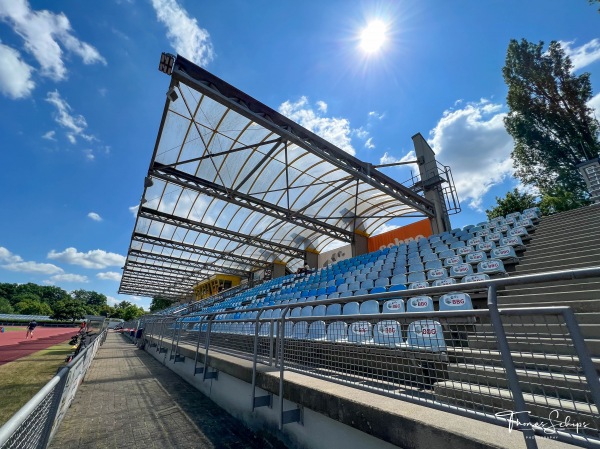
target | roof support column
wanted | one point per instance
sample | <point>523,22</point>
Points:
<point>360,244</point>
<point>432,184</point>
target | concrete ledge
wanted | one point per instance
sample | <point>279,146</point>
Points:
<point>388,420</point>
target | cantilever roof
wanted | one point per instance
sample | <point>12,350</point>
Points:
<point>234,186</point>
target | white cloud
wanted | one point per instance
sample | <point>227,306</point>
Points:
<point>33,267</point>
<point>97,258</point>
<point>322,106</point>
<point>75,124</point>
<point>15,74</point>
<point>385,228</point>
<point>389,159</point>
<point>369,143</point>
<point>334,130</point>
<point>43,33</point>
<point>69,278</point>
<point>49,135</point>
<point>134,210</point>
<point>94,216</point>
<point>89,154</point>
<point>185,36</point>
<point>111,301</point>
<point>7,256</point>
<point>584,55</point>
<point>376,115</point>
<point>13,262</point>
<point>594,103</point>
<point>474,142</point>
<point>109,276</point>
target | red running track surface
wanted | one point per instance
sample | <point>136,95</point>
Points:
<point>13,345</point>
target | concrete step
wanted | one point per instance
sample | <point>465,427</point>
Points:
<point>561,286</point>
<point>550,384</point>
<point>569,296</point>
<point>495,399</point>
<point>546,362</point>
<point>571,225</point>
<point>577,284</point>
<point>589,259</point>
<point>588,318</point>
<point>550,344</point>
<point>592,305</point>
<point>584,211</point>
<point>564,250</point>
<point>558,267</point>
<point>528,329</point>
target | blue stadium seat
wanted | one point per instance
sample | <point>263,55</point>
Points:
<point>337,331</point>
<point>347,294</point>
<point>454,260</point>
<point>367,285</point>
<point>300,330</point>
<point>419,304</point>
<point>515,242</point>
<point>455,301</point>
<point>333,295</point>
<point>446,253</point>
<point>437,273</point>
<point>306,311</point>
<point>418,276</point>
<point>381,283</point>
<point>464,250</point>
<point>491,266</point>
<point>415,267</point>
<point>397,288</point>
<point>443,282</point>
<point>475,257</point>
<point>416,285</point>
<point>394,306</point>
<point>426,335</point>
<point>488,245</point>
<point>369,307</point>
<point>317,331</point>
<point>378,289</point>
<point>460,270</point>
<point>475,278</point>
<point>351,308</point>
<point>319,310</point>
<point>342,288</point>
<point>433,264</point>
<point>504,253</point>
<point>398,279</point>
<point>360,332</point>
<point>334,309</point>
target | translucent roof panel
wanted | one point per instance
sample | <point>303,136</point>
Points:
<point>234,186</point>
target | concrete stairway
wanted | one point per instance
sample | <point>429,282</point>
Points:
<point>541,347</point>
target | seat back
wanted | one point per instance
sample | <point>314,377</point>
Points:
<point>426,334</point>
<point>455,301</point>
<point>475,278</point>
<point>418,276</point>
<point>437,273</point>
<point>337,331</point>
<point>415,285</point>
<point>475,257</point>
<point>387,333</point>
<point>461,270</point>
<point>464,250</point>
<point>445,281</point>
<point>317,330</point>
<point>503,252</point>
<point>300,330</point>
<point>334,309</point>
<point>394,306</point>
<point>351,308</point>
<point>369,307</point>
<point>360,332</point>
<point>491,266</point>
<point>398,279</point>
<point>419,304</point>
<point>320,310</point>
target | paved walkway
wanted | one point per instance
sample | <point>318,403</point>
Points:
<point>131,400</point>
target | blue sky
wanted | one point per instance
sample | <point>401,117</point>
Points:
<point>81,101</point>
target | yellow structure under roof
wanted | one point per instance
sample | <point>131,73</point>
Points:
<point>214,285</point>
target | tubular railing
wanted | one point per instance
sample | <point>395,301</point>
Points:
<point>34,425</point>
<point>524,368</point>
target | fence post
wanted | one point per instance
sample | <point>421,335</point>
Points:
<point>511,372</point>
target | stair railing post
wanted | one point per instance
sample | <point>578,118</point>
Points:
<point>524,423</point>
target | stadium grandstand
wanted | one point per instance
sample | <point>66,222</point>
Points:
<point>292,316</point>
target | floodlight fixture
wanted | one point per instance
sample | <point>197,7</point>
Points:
<point>172,95</point>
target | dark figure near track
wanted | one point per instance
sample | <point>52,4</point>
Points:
<point>30,328</point>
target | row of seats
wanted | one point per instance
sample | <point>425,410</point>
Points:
<point>424,335</point>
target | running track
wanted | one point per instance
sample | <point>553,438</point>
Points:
<point>13,345</point>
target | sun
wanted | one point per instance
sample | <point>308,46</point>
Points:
<point>374,36</point>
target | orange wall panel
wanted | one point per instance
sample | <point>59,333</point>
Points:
<point>413,231</point>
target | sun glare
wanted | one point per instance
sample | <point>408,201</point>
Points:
<point>374,36</point>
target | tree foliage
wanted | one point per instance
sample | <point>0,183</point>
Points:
<point>159,303</point>
<point>5,306</point>
<point>549,119</point>
<point>69,309</point>
<point>514,201</point>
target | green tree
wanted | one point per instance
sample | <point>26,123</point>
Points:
<point>559,199</point>
<point>549,119</point>
<point>32,307</point>
<point>69,309</point>
<point>5,306</point>
<point>514,201</point>
<point>159,303</point>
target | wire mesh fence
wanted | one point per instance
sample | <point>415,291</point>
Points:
<point>452,360</point>
<point>34,425</point>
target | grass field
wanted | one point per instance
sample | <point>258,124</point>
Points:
<point>22,379</point>
<point>15,329</point>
